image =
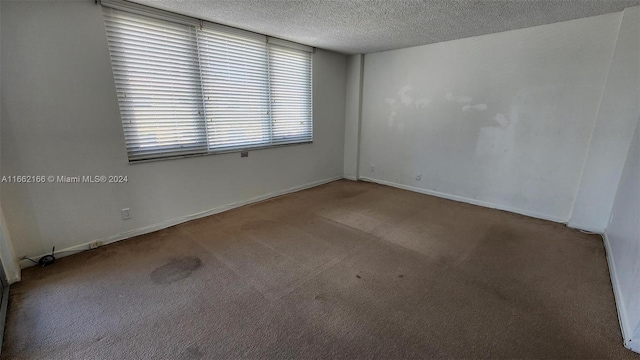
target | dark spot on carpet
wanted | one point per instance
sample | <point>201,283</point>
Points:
<point>400,276</point>
<point>175,270</point>
<point>192,352</point>
<point>359,277</point>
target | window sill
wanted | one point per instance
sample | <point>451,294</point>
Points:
<point>237,150</point>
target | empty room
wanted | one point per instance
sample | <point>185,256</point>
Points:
<point>320,179</point>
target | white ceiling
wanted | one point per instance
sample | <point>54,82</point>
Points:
<point>365,26</point>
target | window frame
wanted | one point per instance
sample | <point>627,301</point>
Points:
<point>150,12</point>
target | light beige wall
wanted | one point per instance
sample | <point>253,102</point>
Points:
<point>60,117</point>
<point>617,114</point>
<point>352,116</point>
<point>502,120</point>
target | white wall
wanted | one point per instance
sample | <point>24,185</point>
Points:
<point>622,235</point>
<point>60,116</point>
<point>502,120</point>
<point>7,255</point>
<point>618,113</point>
<point>352,116</point>
<point>622,239</point>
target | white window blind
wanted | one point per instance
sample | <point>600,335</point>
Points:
<point>236,88</point>
<point>191,87</point>
<point>155,67</point>
<point>290,78</point>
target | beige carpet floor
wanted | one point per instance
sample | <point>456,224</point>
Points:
<point>344,270</point>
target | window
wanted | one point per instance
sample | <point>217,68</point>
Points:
<point>190,87</point>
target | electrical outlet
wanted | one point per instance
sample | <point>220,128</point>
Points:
<point>126,214</point>
<point>373,168</point>
<point>419,176</point>
<point>95,244</point>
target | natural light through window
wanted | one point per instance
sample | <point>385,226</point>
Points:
<point>190,87</point>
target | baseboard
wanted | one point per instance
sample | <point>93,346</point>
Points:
<point>467,200</point>
<point>349,177</point>
<point>15,278</point>
<point>625,327</point>
<point>165,224</point>
<point>14,274</point>
<point>586,228</point>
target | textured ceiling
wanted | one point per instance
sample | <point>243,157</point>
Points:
<point>365,26</point>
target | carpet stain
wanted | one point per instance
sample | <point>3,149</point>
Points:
<point>192,352</point>
<point>359,277</point>
<point>176,269</point>
<point>400,276</point>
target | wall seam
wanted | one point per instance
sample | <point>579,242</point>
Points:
<point>595,123</point>
<point>358,137</point>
